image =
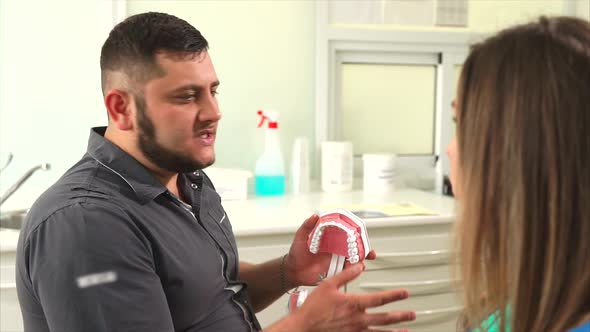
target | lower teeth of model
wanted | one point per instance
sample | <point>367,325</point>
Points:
<point>352,245</point>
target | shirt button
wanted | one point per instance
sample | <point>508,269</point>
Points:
<point>196,173</point>
<point>194,186</point>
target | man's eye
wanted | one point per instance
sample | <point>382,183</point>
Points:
<point>186,98</point>
<point>214,92</point>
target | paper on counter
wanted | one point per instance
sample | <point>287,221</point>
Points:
<point>367,211</point>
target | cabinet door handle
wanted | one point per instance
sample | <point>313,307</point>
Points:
<point>434,316</point>
<point>416,288</point>
<point>8,285</point>
<point>410,258</point>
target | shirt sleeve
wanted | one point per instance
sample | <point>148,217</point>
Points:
<point>92,270</point>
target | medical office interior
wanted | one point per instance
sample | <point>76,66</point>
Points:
<point>363,93</point>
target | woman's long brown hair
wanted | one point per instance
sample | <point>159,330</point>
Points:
<point>524,146</point>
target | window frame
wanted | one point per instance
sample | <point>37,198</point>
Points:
<point>335,43</point>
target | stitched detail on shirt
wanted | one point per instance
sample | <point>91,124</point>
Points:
<point>112,170</point>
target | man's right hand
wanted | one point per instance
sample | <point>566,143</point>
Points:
<point>328,309</point>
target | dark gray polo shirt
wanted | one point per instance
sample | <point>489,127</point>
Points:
<point>108,248</point>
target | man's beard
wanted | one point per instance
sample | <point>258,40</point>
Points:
<point>161,156</point>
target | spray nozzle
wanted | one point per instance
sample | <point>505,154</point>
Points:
<point>262,118</point>
<point>269,116</point>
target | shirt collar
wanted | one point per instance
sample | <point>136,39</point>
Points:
<point>143,183</point>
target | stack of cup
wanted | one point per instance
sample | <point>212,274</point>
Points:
<point>300,172</point>
<point>337,166</point>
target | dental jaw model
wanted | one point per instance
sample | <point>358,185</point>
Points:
<point>342,234</point>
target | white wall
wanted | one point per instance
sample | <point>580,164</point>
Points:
<point>50,91</point>
<point>263,52</point>
<point>49,86</point>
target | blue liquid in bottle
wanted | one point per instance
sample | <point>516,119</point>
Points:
<point>269,185</point>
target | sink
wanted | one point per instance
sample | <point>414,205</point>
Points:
<point>13,219</point>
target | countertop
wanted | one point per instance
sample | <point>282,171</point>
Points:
<point>284,214</point>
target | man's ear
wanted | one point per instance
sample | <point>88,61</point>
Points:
<point>119,106</point>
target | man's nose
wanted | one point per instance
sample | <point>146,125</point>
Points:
<point>210,111</point>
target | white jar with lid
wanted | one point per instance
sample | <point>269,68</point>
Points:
<point>378,172</point>
<point>337,165</point>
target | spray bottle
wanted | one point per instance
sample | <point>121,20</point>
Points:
<point>269,175</point>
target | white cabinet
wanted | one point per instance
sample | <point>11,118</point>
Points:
<point>414,257</point>
<point>10,315</point>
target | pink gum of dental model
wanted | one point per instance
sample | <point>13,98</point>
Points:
<point>342,233</point>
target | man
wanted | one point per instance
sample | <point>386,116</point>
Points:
<point>134,238</point>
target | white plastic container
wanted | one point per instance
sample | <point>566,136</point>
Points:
<point>337,166</point>
<point>378,172</point>
<point>230,183</point>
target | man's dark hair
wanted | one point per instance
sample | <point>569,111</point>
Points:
<point>132,45</point>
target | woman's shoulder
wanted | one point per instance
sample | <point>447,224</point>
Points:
<point>582,328</point>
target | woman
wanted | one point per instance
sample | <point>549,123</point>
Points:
<point>521,173</point>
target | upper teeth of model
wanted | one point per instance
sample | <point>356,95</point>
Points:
<point>351,239</point>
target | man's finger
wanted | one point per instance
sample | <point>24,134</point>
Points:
<point>344,277</point>
<point>372,300</point>
<point>308,225</point>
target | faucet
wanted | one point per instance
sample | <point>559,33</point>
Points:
<point>21,181</point>
<point>8,160</point>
